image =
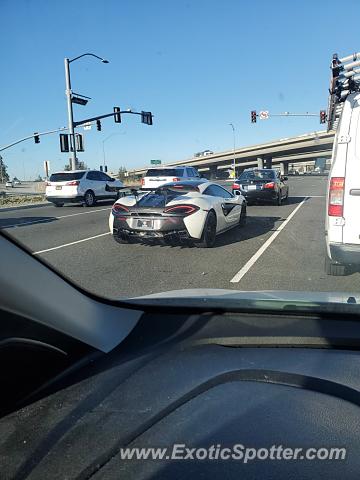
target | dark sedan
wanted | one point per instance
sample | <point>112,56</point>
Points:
<point>265,185</point>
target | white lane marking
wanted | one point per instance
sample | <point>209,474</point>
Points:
<point>307,196</point>
<point>264,247</point>
<point>71,243</point>
<point>49,219</point>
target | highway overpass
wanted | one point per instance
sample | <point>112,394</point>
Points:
<point>279,152</point>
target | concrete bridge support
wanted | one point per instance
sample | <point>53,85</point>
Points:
<point>284,168</point>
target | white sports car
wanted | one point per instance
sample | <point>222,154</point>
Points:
<point>178,211</point>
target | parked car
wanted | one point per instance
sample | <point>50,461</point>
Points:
<point>342,226</point>
<point>155,177</point>
<point>262,185</point>
<point>85,186</point>
<point>196,211</point>
<point>9,184</point>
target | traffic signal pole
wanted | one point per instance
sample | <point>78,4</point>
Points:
<point>70,113</point>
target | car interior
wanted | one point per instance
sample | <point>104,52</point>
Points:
<point>109,374</point>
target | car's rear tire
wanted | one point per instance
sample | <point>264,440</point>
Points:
<point>58,204</point>
<point>278,199</point>
<point>209,234</point>
<point>334,269</point>
<point>242,221</point>
<point>122,239</point>
<point>89,198</point>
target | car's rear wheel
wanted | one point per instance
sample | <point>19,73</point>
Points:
<point>242,221</point>
<point>209,233</point>
<point>89,198</point>
<point>278,199</point>
<point>334,269</point>
<point>121,238</point>
<point>58,204</point>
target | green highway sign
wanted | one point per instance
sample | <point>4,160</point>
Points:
<point>155,162</point>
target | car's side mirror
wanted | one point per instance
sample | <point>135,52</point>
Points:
<point>284,178</point>
<point>111,179</point>
<point>237,192</point>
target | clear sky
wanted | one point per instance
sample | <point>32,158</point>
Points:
<point>196,64</point>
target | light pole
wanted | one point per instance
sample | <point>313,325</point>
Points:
<point>233,129</point>
<point>68,93</point>
<point>107,138</point>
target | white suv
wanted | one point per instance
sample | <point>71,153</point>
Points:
<point>342,225</point>
<point>155,177</point>
<point>86,186</point>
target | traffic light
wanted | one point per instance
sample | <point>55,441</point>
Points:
<point>253,116</point>
<point>146,117</point>
<point>79,142</point>
<point>323,116</point>
<point>98,125</point>
<point>36,137</point>
<point>64,142</point>
<point>117,116</point>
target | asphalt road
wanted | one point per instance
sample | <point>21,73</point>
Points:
<point>75,241</point>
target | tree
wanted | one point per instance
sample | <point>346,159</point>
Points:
<point>79,166</point>
<point>4,176</point>
<point>122,173</point>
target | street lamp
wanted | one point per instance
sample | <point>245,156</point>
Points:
<point>68,93</point>
<point>107,138</point>
<point>233,129</point>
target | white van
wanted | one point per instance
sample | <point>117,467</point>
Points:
<point>342,224</point>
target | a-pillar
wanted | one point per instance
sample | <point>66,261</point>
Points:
<point>284,168</point>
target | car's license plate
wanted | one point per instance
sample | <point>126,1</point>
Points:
<point>146,224</point>
<point>58,187</point>
<point>251,187</point>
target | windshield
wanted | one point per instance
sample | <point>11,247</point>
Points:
<point>65,177</point>
<point>258,175</point>
<point>164,172</point>
<point>141,93</point>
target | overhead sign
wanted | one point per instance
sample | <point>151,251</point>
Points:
<point>87,126</point>
<point>155,162</point>
<point>264,115</point>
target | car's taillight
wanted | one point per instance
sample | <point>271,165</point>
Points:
<point>176,179</point>
<point>74,183</point>
<point>142,181</point>
<point>336,197</point>
<point>270,185</point>
<point>182,209</point>
<point>236,186</point>
<point>118,208</point>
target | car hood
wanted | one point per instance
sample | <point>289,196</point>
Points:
<point>264,299</point>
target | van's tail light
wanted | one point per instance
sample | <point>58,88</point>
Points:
<point>74,183</point>
<point>270,185</point>
<point>182,209</point>
<point>142,181</point>
<point>236,186</point>
<point>336,197</point>
<point>176,179</point>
